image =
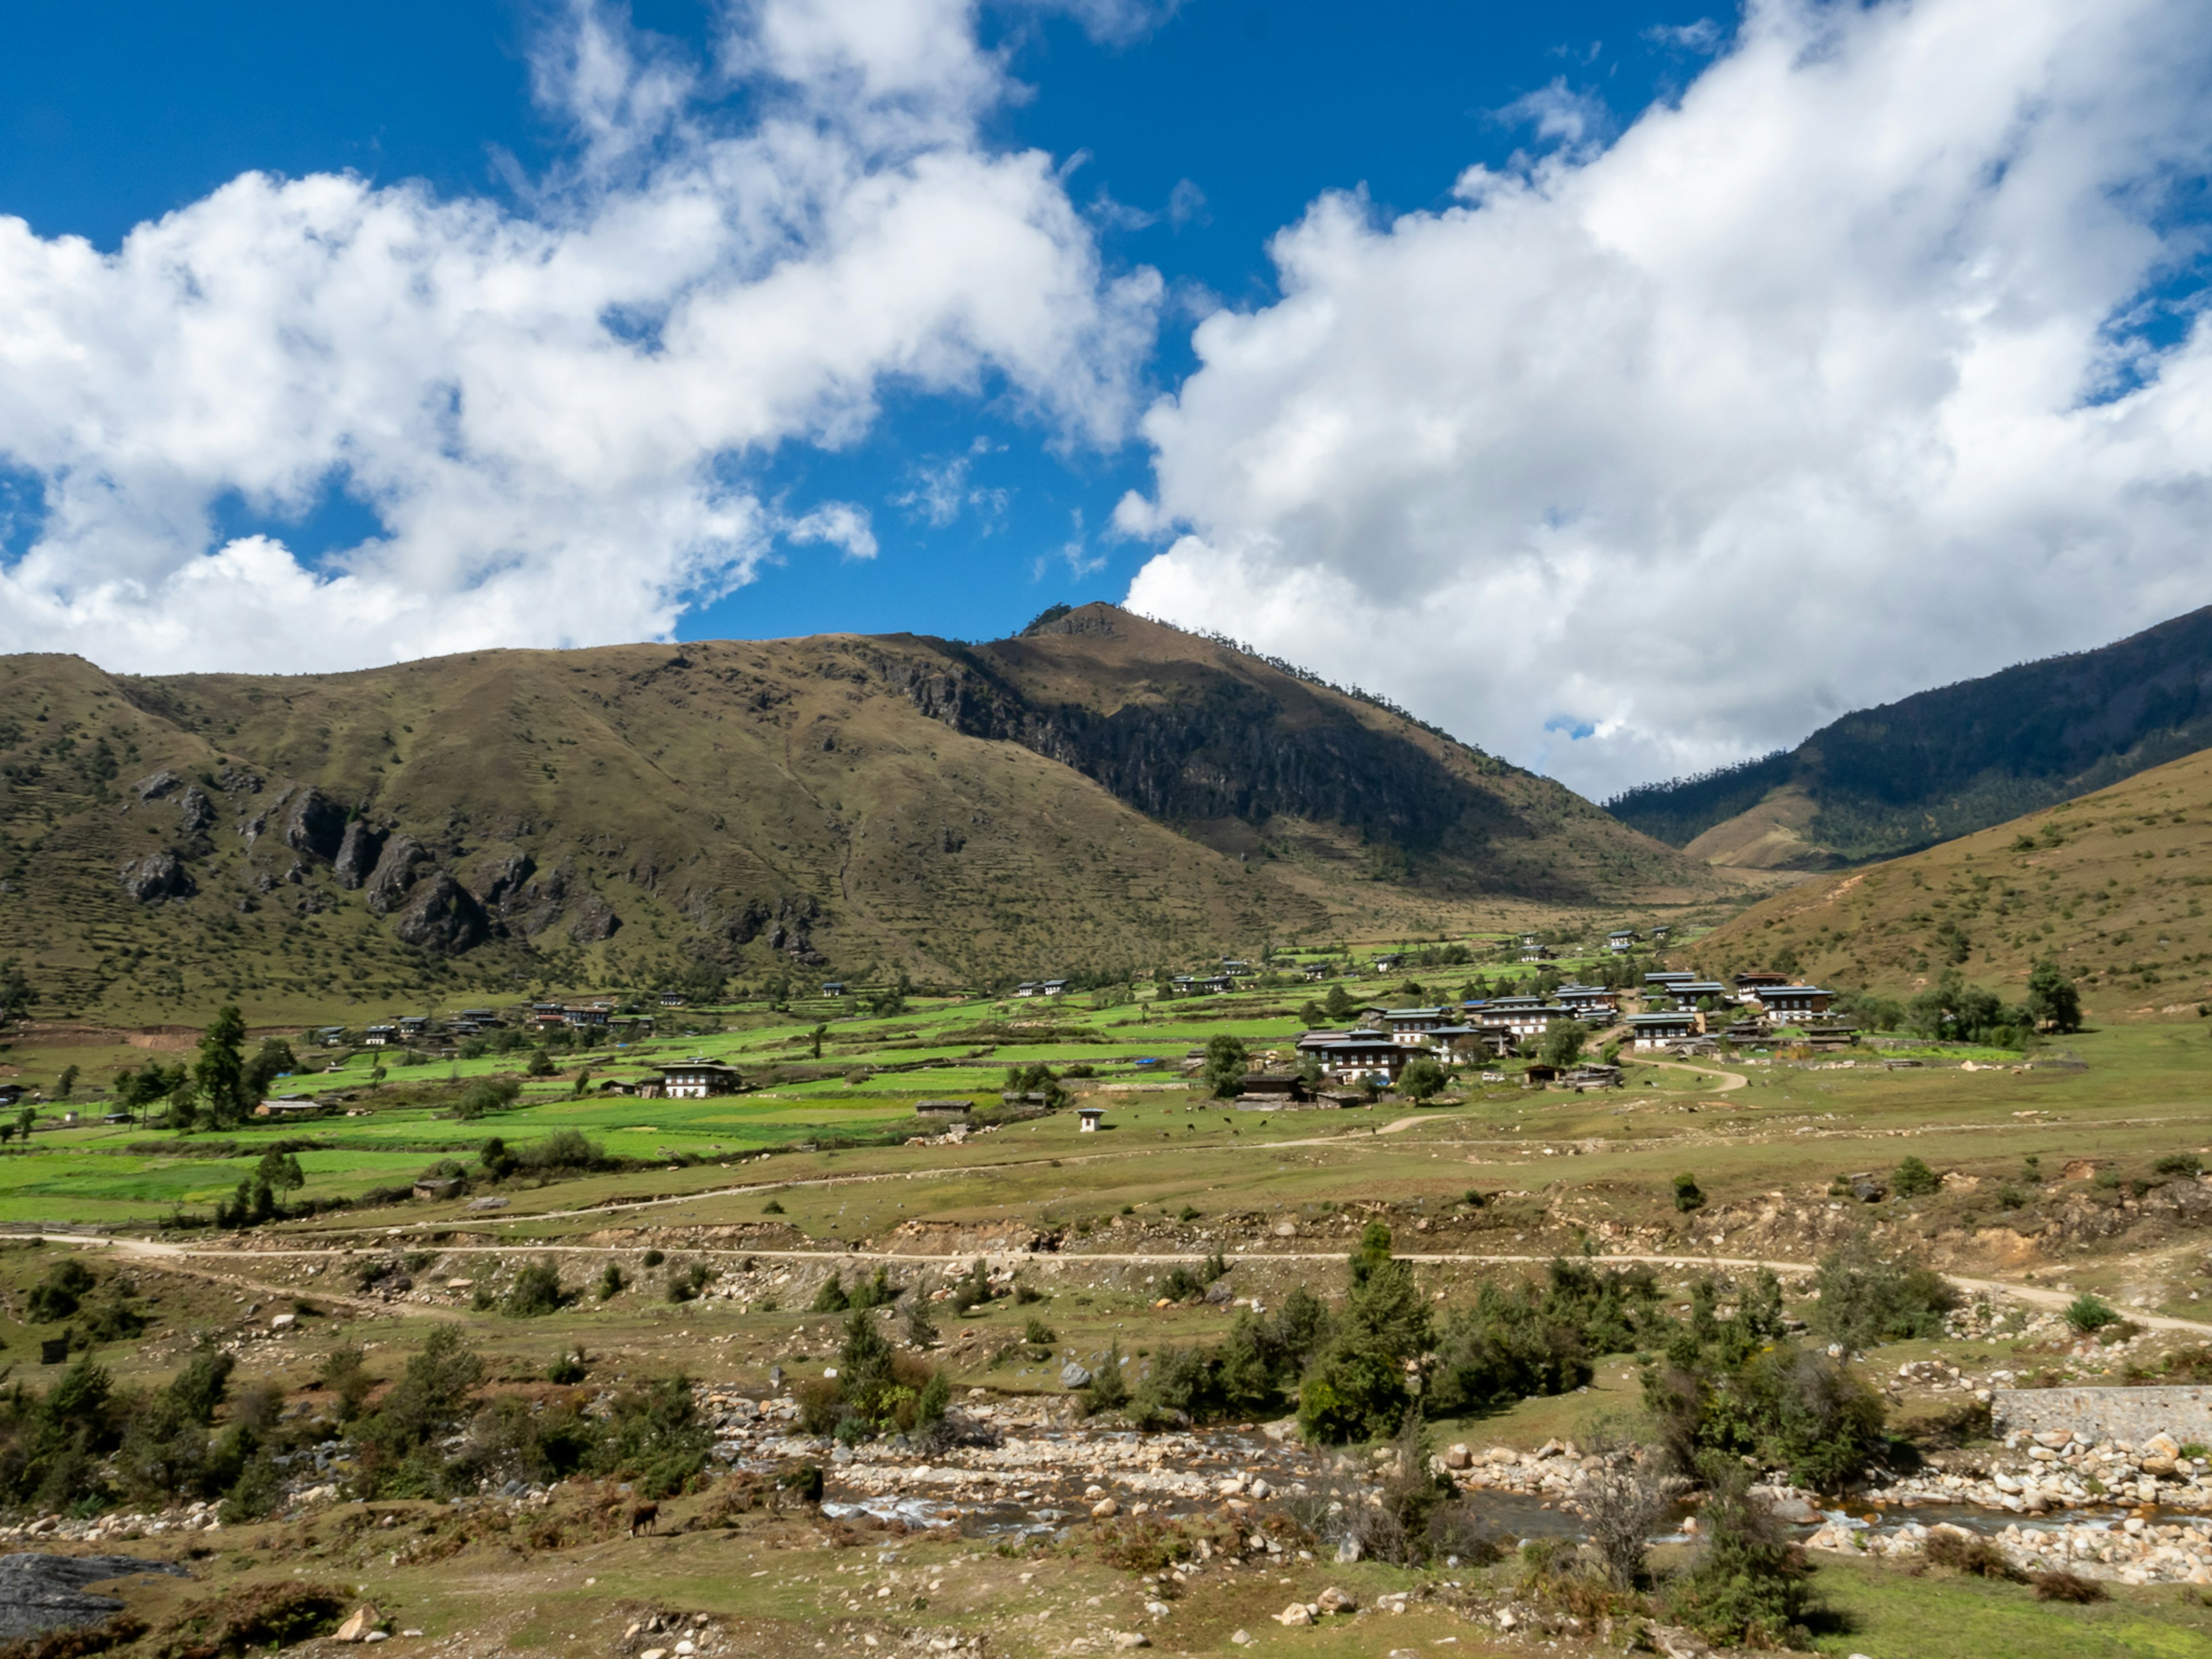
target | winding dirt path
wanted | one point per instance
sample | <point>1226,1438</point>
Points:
<point>1729,1080</point>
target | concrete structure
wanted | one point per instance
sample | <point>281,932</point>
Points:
<point>1088,1118</point>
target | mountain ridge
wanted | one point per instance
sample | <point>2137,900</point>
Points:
<point>1098,797</point>
<point>1947,762</point>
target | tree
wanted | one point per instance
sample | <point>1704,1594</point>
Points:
<point>1422,1078</point>
<point>16,995</point>
<point>272,1059</point>
<point>1688,1195</point>
<point>2053,998</point>
<point>541,1065</point>
<point>65,1082</point>
<point>1226,1063</point>
<point>815,1037</point>
<point>219,1073</point>
<point>1338,1003</point>
<point>281,1172</point>
<point>1563,1043</point>
<point>1360,1388</point>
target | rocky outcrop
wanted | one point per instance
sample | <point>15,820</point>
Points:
<point>595,921</point>
<point>315,825</point>
<point>357,853</point>
<point>398,868</point>
<point>442,916</point>
<point>157,786</point>
<point>237,780</point>
<point>156,876</point>
<point>195,813</point>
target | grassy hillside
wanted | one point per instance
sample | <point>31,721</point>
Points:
<point>1104,799</point>
<point>2111,885</point>
<point>1882,782</point>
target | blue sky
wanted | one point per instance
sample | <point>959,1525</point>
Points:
<point>1627,388</point>
<point>112,113</point>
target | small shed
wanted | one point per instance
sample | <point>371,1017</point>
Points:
<point>1088,1118</point>
<point>437,1187</point>
<point>942,1108</point>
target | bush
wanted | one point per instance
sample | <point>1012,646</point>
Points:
<point>2088,1314</point>
<point>59,1295</point>
<point>653,1439</point>
<point>2060,1585</point>
<point>1688,1195</point>
<point>536,1291</point>
<point>831,1297</point>
<point>1108,1390</point>
<point>653,1258</point>
<point>1866,1299</point>
<point>684,1284</point>
<point>396,1444</point>
<point>1515,1343</point>
<point>2179,1163</point>
<point>1037,1334</point>
<point>1976,1557</point>
<point>611,1282</point>
<point>1748,1583</point>
<point>251,1617</point>
<point>486,1094</point>
<point>1914,1179</point>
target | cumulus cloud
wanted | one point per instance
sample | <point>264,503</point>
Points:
<point>1865,366</point>
<point>550,412</point>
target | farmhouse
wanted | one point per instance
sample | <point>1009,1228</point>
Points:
<point>673,998</point>
<point>1755,979</point>
<point>1355,1056</point>
<point>1523,1017</point>
<point>1652,1031</point>
<point>1054,988</point>
<point>696,1078</point>
<point>1691,993</point>
<point>1315,971</point>
<point>1620,940</point>
<point>379,1037</point>
<point>290,1106</point>
<point>1411,1026</point>
<point>1587,1001</point>
<point>1794,1005</point>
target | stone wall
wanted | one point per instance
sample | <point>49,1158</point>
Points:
<point>2093,1415</point>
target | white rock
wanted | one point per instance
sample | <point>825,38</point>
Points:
<point>1295,1614</point>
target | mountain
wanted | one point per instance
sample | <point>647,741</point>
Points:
<point>1102,794</point>
<point>2111,885</point>
<point>1945,762</point>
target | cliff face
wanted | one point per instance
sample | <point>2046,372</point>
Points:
<point>1109,796</point>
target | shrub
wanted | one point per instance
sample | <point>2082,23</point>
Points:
<point>1422,1080</point>
<point>59,1295</point>
<point>2059,1585</point>
<point>1747,1585</point>
<point>536,1291</point>
<point>920,1328</point>
<point>653,1258</point>
<point>653,1439</point>
<point>1914,1179</point>
<point>2088,1314</point>
<point>1108,1390</point>
<point>396,1443</point>
<point>831,1297</point>
<point>1688,1195</point>
<point>1977,1557</point>
<point>1515,1343</point>
<point>567,1367</point>
<point>684,1284</point>
<point>250,1617</point>
<point>1037,1334</point>
<point>611,1282</point>
<point>2179,1163</point>
<point>1866,1299</point>
<point>772,1207</point>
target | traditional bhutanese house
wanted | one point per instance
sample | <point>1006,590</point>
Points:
<point>1650,1031</point>
<point>1524,1017</point>
<point>1411,1026</point>
<point>1027,988</point>
<point>1794,1005</point>
<point>1267,1091</point>
<point>672,999</point>
<point>379,1037</point>
<point>1663,981</point>
<point>1054,987</point>
<point>1315,971</point>
<point>694,1080</point>
<point>1755,978</point>
<point>292,1106</point>
<point>1659,935</point>
<point>1620,939</point>
<point>1585,1000</point>
<point>1470,1041</point>
<point>1691,993</point>
<point>1535,953</point>
<point>1355,1056</point>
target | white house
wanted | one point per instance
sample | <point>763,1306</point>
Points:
<point>696,1078</point>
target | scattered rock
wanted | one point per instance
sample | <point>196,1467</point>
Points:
<point>363,1619</point>
<point>1073,1375</point>
<point>1295,1614</point>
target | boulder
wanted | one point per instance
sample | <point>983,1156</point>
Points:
<point>315,825</point>
<point>1296,1615</point>
<point>1334,1600</point>
<point>1104,1510</point>
<point>363,1619</point>
<point>1073,1375</point>
<point>162,783</point>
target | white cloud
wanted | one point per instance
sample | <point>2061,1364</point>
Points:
<point>552,413</point>
<point>840,523</point>
<point>1805,392</point>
